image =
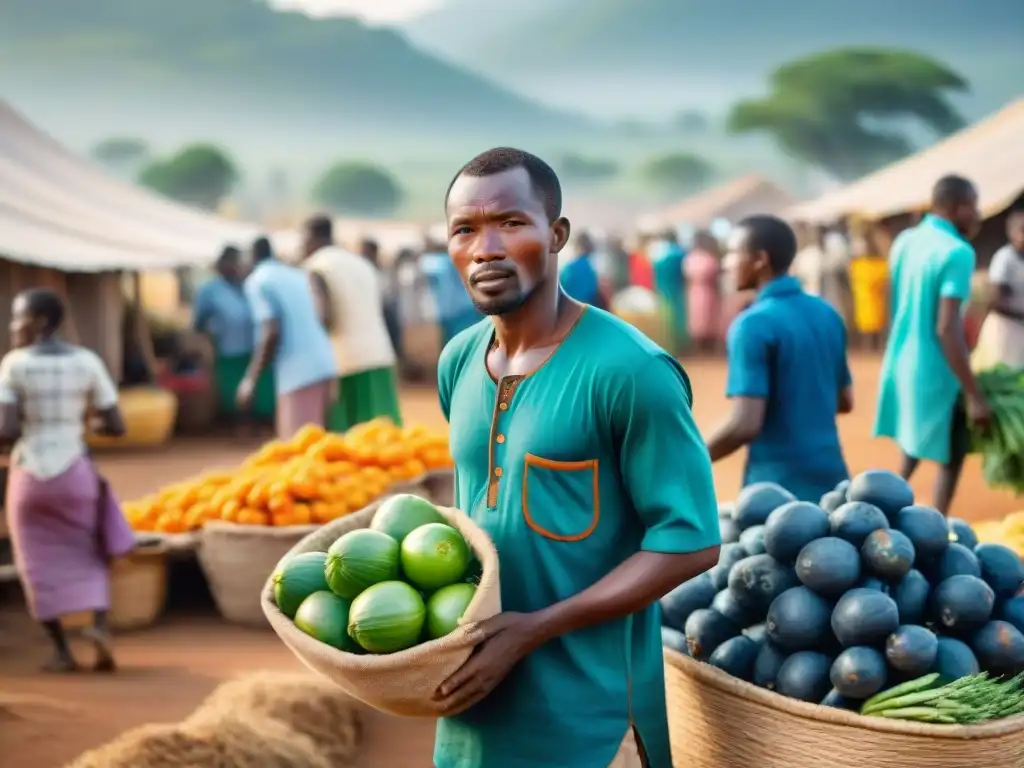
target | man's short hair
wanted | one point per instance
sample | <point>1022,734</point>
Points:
<point>951,191</point>
<point>773,236</point>
<point>543,178</point>
<point>262,249</point>
<point>320,227</point>
<point>228,255</point>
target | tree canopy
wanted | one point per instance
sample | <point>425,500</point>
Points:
<point>359,188</point>
<point>576,167</point>
<point>850,111</point>
<point>199,174</point>
<point>678,173</point>
<point>119,150</point>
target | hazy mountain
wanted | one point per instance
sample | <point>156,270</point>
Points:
<point>658,56</point>
<point>221,69</point>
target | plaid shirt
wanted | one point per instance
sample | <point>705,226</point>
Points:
<point>53,392</point>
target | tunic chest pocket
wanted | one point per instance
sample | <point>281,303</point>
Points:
<point>560,498</point>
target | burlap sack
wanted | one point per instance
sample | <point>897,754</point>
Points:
<point>402,683</point>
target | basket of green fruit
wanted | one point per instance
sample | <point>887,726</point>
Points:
<point>385,602</point>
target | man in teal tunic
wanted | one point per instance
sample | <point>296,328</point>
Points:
<point>576,450</point>
<point>927,367</point>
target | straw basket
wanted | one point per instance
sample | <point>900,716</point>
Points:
<point>138,591</point>
<point>149,415</point>
<point>237,560</point>
<point>402,683</point>
<point>717,721</point>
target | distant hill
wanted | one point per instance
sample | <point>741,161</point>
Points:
<point>236,66</point>
<point>658,56</point>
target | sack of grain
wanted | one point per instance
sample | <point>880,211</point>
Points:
<point>309,705</point>
<point>238,740</point>
<point>404,682</point>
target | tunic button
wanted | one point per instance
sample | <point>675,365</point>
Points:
<point>502,406</point>
<point>497,472</point>
<point>500,439</point>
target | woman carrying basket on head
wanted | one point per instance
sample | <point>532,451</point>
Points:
<point>65,525</point>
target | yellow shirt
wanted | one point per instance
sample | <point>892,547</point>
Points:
<point>869,278</point>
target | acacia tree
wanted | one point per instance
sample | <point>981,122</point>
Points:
<point>358,188</point>
<point>199,174</point>
<point>847,111</point>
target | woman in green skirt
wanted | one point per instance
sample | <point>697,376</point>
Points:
<point>222,312</point>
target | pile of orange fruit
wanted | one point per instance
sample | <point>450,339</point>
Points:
<point>313,478</point>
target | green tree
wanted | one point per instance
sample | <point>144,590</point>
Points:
<point>199,174</point>
<point>691,121</point>
<point>577,167</point>
<point>849,111</point>
<point>678,173</point>
<point>358,188</point>
<point>121,153</point>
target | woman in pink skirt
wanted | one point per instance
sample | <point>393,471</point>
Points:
<point>65,525</point>
<point>702,268</point>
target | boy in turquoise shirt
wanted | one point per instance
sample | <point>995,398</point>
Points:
<point>576,450</point>
<point>788,376</point>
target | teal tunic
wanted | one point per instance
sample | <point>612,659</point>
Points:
<point>572,469</point>
<point>670,284</point>
<point>917,389</point>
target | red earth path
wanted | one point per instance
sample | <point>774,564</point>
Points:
<point>168,669</point>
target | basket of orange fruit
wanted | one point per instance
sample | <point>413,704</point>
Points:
<point>247,519</point>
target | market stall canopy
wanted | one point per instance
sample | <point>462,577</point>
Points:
<point>59,210</point>
<point>989,153</point>
<point>740,197</point>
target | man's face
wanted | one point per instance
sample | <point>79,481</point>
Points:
<point>310,243</point>
<point>500,239</point>
<point>741,264</point>
<point>1015,231</point>
<point>967,217</point>
<point>231,267</point>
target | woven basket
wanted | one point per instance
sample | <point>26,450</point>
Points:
<point>402,683</point>
<point>149,414</point>
<point>178,546</point>
<point>138,591</point>
<point>717,721</point>
<point>439,487</point>
<point>238,559</point>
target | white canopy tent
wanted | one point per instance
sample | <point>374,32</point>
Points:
<point>59,210</point>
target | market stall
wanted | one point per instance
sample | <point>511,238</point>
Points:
<point>67,224</point>
<point>245,519</point>
<point>990,153</point>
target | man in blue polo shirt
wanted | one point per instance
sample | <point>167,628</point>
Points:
<point>579,277</point>
<point>788,376</point>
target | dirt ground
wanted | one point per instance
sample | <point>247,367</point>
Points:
<point>167,670</point>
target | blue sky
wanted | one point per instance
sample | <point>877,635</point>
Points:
<point>377,11</point>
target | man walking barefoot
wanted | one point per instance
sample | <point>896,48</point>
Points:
<point>927,393</point>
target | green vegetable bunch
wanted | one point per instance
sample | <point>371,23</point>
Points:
<point>971,699</point>
<point>1002,442</point>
